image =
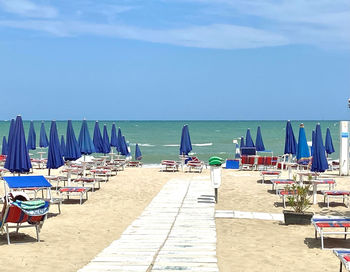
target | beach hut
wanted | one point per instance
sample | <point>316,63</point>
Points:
<point>54,155</point>
<point>97,139</point>
<point>31,142</point>
<point>17,160</point>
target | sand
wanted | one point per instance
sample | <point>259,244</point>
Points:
<point>70,240</point>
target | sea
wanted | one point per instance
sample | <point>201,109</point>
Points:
<point>159,140</point>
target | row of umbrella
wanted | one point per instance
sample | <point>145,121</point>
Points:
<point>18,159</point>
<point>249,141</point>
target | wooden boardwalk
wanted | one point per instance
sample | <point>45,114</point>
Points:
<point>176,232</point>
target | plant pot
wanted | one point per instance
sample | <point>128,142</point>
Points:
<point>294,218</point>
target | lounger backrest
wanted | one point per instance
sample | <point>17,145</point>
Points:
<point>244,159</point>
<point>261,160</point>
<point>268,160</point>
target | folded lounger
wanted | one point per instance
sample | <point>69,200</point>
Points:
<point>332,222</point>
<point>344,257</point>
<point>29,213</point>
<point>336,194</point>
<point>269,174</point>
<point>70,191</point>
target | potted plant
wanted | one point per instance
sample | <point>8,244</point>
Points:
<point>299,200</point>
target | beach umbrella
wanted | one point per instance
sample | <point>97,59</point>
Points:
<point>63,146</point>
<point>85,143</point>
<point>319,160</point>
<point>138,154</point>
<point>329,142</point>
<point>248,139</point>
<point>72,148</point>
<point>259,141</point>
<point>114,138</point>
<point>312,143</point>
<point>4,149</point>
<point>242,142</point>
<point>17,159</point>
<point>54,155</point>
<point>303,154</point>
<point>12,127</point>
<point>43,141</point>
<point>125,151</point>
<point>120,143</point>
<point>97,139</point>
<point>185,144</point>
<point>290,145</point>
<point>105,141</point>
<point>31,142</point>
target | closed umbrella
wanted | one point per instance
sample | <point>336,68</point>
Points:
<point>303,154</point>
<point>329,142</point>
<point>43,142</point>
<point>4,149</point>
<point>319,159</point>
<point>248,139</point>
<point>97,139</point>
<point>124,148</point>
<point>312,142</point>
<point>86,145</point>
<point>138,154</point>
<point>12,127</point>
<point>63,146</point>
<point>242,142</point>
<point>105,141</point>
<point>120,141</point>
<point>72,148</point>
<point>18,160</point>
<point>290,145</point>
<point>185,144</point>
<point>114,138</point>
<point>54,156</point>
<point>31,142</point>
<point>259,141</point>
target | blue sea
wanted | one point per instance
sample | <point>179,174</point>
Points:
<point>160,140</point>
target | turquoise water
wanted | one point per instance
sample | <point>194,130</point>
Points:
<point>160,139</point>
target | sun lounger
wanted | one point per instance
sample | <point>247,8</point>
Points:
<point>89,181</point>
<point>331,222</point>
<point>195,166</point>
<point>168,165</point>
<point>72,191</point>
<point>344,258</point>
<point>23,216</point>
<point>336,194</point>
<point>102,173</point>
<point>134,164</point>
<point>284,194</point>
<point>269,174</point>
<point>281,182</point>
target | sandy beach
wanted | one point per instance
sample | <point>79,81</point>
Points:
<point>70,240</point>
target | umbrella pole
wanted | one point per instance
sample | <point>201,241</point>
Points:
<point>49,171</point>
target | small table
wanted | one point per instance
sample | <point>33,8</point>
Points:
<point>307,174</point>
<point>274,174</point>
<point>282,182</point>
<point>315,183</point>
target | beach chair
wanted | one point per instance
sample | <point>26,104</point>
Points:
<point>281,182</point>
<point>134,164</point>
<point>344,195</point>
<point>73,191</point>
<point>269,174</point>
<point>91,181</point>
<point>168,165</point>
<point>285,194</point>
<point>23,214</point>
<point>333,223</point>
<point>195,165</point>
<point>344,258</point>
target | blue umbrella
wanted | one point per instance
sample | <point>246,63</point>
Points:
<point>85,143</point>
<point>54,155</point>
<point>12,127</point>
<point>72,148</point>
<point>4,149</point>
<point>63,146</point>
<point>312,142</point>
<point>248,139</point>
<point>98,141</point>
<point>319,160</point>
<point>290,145</point>
<point>125,151</point>
<point>329,143</point>
<point>303,154</point>
<point>138,154</point>
<point>18,158</point>
<point>105,140</point>
<point>43,142</point>
<point>242,142</point>
<point>31,143</point>
<point>114,138</point>
<point>120,141</point>
<point>185,145</point>
<point>259,141</point>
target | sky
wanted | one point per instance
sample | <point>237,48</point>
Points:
<point>175,59</point>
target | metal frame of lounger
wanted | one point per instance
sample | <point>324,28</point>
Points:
<point>169,165</point>
<point>264,176</point>
<point>332,223</point>
<point>72,193</point>
<point>197,166</point>
<point>341,253</point>
<point>282,182</point>
<point>336,194</point>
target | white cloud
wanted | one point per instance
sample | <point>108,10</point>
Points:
<point>27,8</point>
<point>217,36</point>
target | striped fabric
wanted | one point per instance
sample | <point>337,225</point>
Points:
<point>336,192</point>
<point>333,224</point>
<point>73,189</point>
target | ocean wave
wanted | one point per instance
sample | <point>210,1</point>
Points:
<point>147,145</point>
<point>205,144</point>
<point>176,145</point>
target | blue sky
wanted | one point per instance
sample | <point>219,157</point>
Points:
<point>175,59</point>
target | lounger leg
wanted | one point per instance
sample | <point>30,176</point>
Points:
<point>284,202</point>
<point>322,243</point>
<point>346,229</point>
<point>81,198</point>
<point>8,234</point>
<point>341,267</point>
<point>17,229</point>
<point>315,234</point>
<point>37,232</point>
<point>59,207</point>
